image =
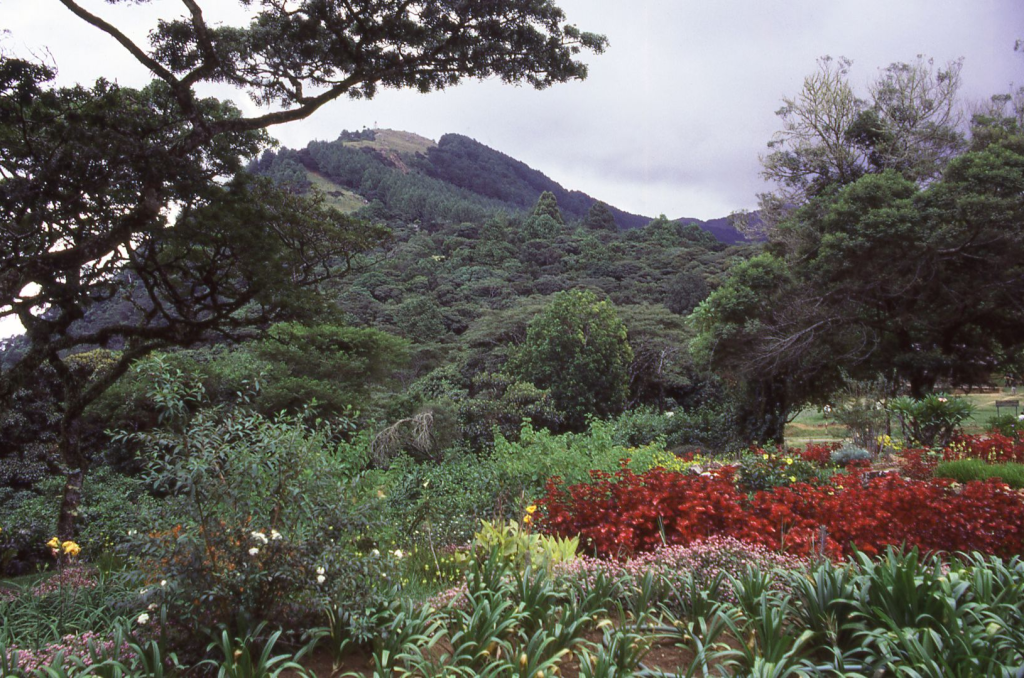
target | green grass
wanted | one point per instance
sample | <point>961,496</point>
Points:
<point>965,470</point>
<point>25,580</point>
<point>811,425</point>
<point>338,197</point>
<point>402,143</point>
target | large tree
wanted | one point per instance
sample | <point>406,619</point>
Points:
<point>110,191</point>
<point>897,250</point>
<point>577,348</point>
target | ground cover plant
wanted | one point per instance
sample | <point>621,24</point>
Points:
<point>719,607</point>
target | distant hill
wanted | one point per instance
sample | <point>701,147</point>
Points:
<point>406,176</point>
<point>723,229</point>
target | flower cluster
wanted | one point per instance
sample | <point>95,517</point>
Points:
<point>624,514</point>
<point>819,454</point>
<point>991,447</point>
<point>68,548</point>
<point>72,577</point>
<point>85,646</point>
<point>704,559</point>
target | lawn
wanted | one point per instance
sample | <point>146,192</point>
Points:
<point>812,426</point>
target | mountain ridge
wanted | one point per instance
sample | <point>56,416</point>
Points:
<point>454,178</point>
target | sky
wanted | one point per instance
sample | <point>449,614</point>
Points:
<point>673,116</point>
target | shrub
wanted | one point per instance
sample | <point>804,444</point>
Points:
<point>625,513</point>
<point>112,506</point>
<point>932,420</point>
<point>819,454</point>
<point>992,447</point>
<point>763,470</point>
<point>850,453</point>
<point>257,510</point>
<point>966,470</point>
<point>1009,425</point>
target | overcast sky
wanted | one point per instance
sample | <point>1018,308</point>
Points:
<point>673,116</point>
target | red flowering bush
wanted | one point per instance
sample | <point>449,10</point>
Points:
<point>991,447</point>
<point>819,454</point>
<point>622,514</point>
<point>917,464</point>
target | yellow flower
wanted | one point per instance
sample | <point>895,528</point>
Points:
<point>766,457</point>
<point>792,479</point>
<point>54,543</point>
<point>71,548</point>
<point>788,461</point>
<point>531,509</point>
<point>527,518</point>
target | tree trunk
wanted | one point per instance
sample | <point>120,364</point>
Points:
<point>67,519</point>
<point>77,466</point>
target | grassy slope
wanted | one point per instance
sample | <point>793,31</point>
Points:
<point>402,143</point>
<point>338,197</point>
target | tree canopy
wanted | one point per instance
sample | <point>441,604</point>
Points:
<point>579,350</point>
<point>903,260</point>
<point>108,190</point>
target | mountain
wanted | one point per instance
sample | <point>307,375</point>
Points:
<point>407,177</point>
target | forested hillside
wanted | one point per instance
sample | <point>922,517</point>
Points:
<point>412,178</point>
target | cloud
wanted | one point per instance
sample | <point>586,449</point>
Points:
<point>672,118</point>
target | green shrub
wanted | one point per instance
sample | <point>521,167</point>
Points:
<point>966,470</point>
<point>710,427</point>
<point>850,453</point>
<point>763,470</point>
<point>442,502</point>
<point>112,506</point>
<point>263,518</point>
<point>932,420</point>
<point>1009,425</point>
<point>523,467</point>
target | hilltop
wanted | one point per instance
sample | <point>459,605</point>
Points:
<point>410,177</point>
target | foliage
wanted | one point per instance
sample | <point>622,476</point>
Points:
<point>848,454</point>
<point>514,542</point>
<point>1007,425</point>
<point>932,420</point>
<point>626,512</point>
<point>578,349</point>
<point>761,470</point>
<point>524,466</point>
<point>253,506</point>
<point>112,506</point>
<point>967,470</point>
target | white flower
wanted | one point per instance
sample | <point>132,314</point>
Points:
<point>1020,417</point>
<point>275,535</point>
<point>321,579</point>
<point>152,606</point>
<point>670,414</point>
<point>163,582</point>
<point>374,552</point>
<point>142,592</point>
<point>131,533</point>
<point>259,536</point>
<point>143,618</point>
<point>398,553</point>
<point>320,570</point>
<point>943,400</point>
<point>253,551</point>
